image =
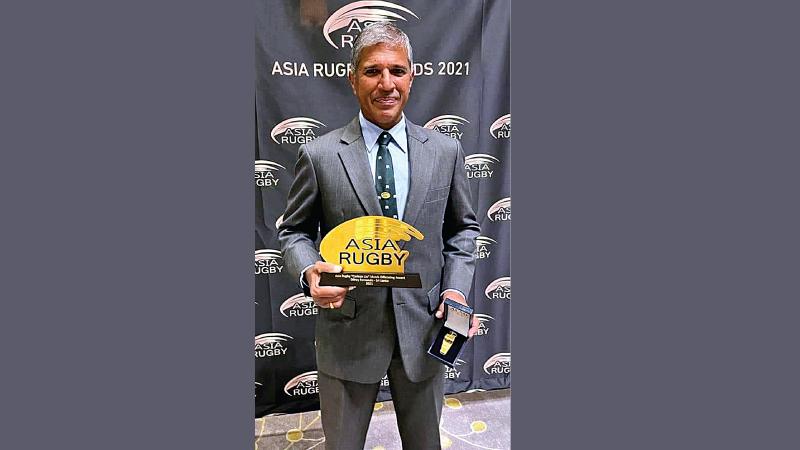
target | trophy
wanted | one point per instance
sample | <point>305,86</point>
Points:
<point>368,249</point>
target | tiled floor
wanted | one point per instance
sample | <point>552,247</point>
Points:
<point>476,420</point>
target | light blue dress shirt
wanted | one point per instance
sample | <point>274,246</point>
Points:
<point>398,148</point>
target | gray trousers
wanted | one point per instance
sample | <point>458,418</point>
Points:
<point>347,408</point>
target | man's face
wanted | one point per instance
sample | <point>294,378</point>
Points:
<point>382,82</point>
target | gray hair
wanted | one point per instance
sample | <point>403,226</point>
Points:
<point>380,33</point>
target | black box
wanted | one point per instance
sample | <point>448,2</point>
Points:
<point>453,334</point>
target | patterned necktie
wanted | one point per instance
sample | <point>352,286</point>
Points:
<point>384,177</point>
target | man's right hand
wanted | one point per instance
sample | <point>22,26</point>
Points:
<point>324,296</point>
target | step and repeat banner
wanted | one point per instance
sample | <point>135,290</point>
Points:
<point>461,89</point>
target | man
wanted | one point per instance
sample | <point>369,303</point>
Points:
<point>382,164</point>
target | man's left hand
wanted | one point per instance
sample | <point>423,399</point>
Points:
<point>460,299</point>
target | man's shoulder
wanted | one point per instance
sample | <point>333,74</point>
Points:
<point>434,138</point>
<point>327,139</point>
<point>325,142</point>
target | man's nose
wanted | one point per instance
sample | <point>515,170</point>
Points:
<point>387,82</point>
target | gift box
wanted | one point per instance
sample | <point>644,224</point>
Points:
<point>453,334</point>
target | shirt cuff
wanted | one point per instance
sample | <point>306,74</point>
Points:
<point>453,290</point>
<point>303,284</point>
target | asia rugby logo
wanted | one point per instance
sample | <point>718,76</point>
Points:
<point>299,305</point>
<point>499,363</point>
<point>357,15</point>
<point>268,261</point>
<point>483,324</point>
<point>271,344</point>
<point>482,244</point>
<point>501,128</point>
<point>266,173</point>
<point>303,384</point>
<point>500,210</point>
<point>297,130</point>
<point>499,289</point>
<point>451,373</point>
<point>448,125</point>
<point>480,165</point>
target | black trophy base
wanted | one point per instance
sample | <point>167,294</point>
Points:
<point>402,280</point>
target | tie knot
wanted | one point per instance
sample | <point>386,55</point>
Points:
<point>384,138</point>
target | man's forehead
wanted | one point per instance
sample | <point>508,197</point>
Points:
<point>369,63</point>
<point>369,58</point>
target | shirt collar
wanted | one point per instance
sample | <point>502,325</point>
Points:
<point>370,132</point>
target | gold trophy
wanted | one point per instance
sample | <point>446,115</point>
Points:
<point>369,250</point>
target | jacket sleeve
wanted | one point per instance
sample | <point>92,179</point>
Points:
<point>298,231</point>
<point>459,230</point>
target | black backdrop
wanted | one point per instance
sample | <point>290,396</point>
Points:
<point>461,64</point>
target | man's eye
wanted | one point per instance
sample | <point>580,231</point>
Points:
<point>398,72</point>
<point>370,72</point>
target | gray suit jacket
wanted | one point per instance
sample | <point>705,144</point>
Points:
<point>333,183</point>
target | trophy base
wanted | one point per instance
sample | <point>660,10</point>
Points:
<point>403,280</point>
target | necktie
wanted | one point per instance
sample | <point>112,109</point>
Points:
<point>384,177</point>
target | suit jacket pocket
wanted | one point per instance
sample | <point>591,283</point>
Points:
<point>433,298</point>
<point>437,194</point>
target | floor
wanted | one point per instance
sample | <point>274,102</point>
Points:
<point>473,420</point>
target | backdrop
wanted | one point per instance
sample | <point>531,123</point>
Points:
<point>461,88</point>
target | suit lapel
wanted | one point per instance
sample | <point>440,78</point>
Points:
<point>356,164</point>
<point>420,163</point>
